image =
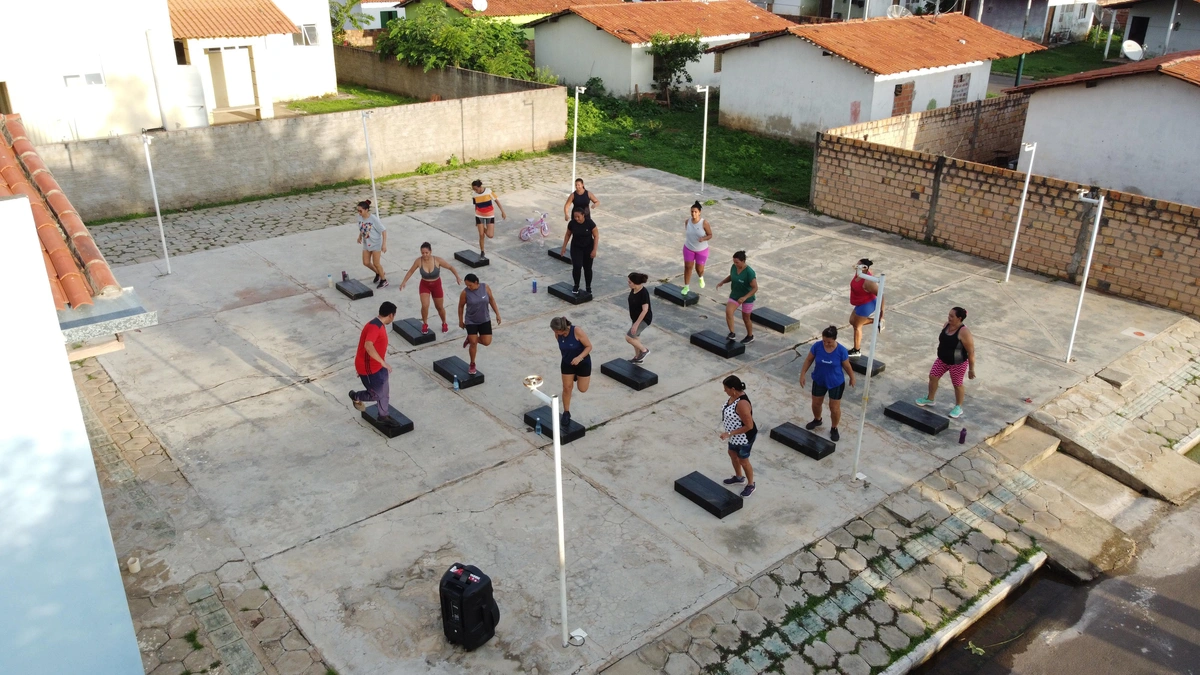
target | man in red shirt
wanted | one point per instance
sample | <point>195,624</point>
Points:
<point>371,365</point>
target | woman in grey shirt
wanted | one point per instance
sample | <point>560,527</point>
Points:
<point>373,236</point>
<point>473,304</point>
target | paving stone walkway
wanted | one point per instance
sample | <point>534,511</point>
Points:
<point>137,240</point>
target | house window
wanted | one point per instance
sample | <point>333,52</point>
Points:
<point>902,103</point>
<point>962,86</point>
<point>717,62</point>
<point>181,53</point>
<point>658,69</point>
<point>84,79</point>
<point>1082,9</point>
<point>385,17</point>
<point>307,35</point>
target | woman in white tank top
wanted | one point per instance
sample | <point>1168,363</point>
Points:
<point>696,234</point>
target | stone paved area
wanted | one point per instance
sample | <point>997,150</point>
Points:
<point>137,240</point>
<point>222,619</point>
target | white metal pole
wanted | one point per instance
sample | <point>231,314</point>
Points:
<point>704,142</point>
<point>1112,23</point>
<point>866,396</point>
<point>562,537</point>
<point>370,165</point>
<point>1170,26</point>
<point>575,136</point>
<point>1032,148</point>
<point>979,14</point>
<point>162,236</point>
<point>1087,268</point>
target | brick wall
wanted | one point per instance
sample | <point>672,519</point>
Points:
<point>983,131</point>
<point>359,66</point>
<point>1145,250</point>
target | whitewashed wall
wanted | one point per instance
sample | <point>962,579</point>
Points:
<point>930,87</point>
<point>576,51</point>
<point>1187,15</point>
<point>702,71</point>
<point>372,10</point>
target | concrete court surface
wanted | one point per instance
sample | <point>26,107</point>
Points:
<point>245,378</point>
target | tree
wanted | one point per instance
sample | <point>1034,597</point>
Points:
<point>433,36</point>
<point>341,13</point>
<point>672,54</point>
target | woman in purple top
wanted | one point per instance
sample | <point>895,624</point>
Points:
<point>829,379</point>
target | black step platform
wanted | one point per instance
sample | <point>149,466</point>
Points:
<point>400,424</point>
<point>471,259</point>
<point>859,363</point>
<point>717,344</point>
<point>554,253</point>
<point>448,368</point>
<point>778,321</point>
<point>562,290</point>
<point>629,374</point>
<point>354,289</point>
<point>573,432</point>
<point>799,438</point>
<point>671,292</point>
<point>917,417</point>
<point>708,494</point>
<point>410,329</point>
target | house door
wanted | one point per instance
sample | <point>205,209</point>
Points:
<point>1137,29</point>
<point>826,8</point>
<point>1049,27</point>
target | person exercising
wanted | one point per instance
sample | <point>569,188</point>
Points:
<point>473,304</point>
<point>431,284</point>
<point>576,366</point>
<point>864,295</point>
<point>370,362</point>
<point>485,202</point>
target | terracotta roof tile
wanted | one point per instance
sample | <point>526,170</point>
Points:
<point>518,7</point>
<point>227,18</point>
<point>888,46</point>
<point>1181,65</point>
<point>74,264</point>
<point>636,22</point>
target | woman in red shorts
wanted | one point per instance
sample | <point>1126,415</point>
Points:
<point>431,284</point>
<point>955,355</point>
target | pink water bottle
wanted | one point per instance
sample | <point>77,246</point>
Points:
<point>962,436</point>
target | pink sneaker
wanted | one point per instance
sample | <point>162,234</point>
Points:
<point>445,328</point>
<point>471,370</point>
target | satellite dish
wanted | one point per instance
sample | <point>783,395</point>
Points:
<point>897,12</point>
<point>479,5</point>
<point>1129,49</point>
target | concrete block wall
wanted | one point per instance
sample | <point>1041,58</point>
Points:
<point>369,69</point>
<point>1145,251</point>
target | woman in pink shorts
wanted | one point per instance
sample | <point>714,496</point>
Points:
<point>696,234</point>
<point>955,355</point>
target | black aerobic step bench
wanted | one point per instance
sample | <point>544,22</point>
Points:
<point>798,438</point>
<point>859,363</point>
<point>629,374</point>
<point>776,321</point>
<point>917,417</point>
<point>562,291</point>
<point>553,253</point>
<point>354,289</point>
<point>710,341</point>
<point>454,366</point>
<point>708,494</point>
<point>573,432</point>
<point>471,259</point>
<point>672,293</point>
<point>410,330</point>
<point>400,424</point>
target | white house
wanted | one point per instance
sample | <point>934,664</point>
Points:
<point>1131,127</point>
<point>1148,24</point>
<point>1050,21</point>
<point>612,41</point>
<point>377,13</point>
<point>796,82</point>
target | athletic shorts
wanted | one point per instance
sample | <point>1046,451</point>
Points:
<point>584,369</point>
<point>484,328</point>
<point>431,287</point>
<point>834,393</point>
<point>485,220</point>
<point>957,371</point>
<point>867,308</point>
<point>640,329</point>
<point>743,451</point>
<point>697,257</point>
<point>747,307</point>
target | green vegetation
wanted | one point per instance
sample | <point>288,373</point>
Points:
<point>647,134</point>
<point>672,54</point>
<point>349,97</point>
<point>342,12</point>
<point>434,36</point>
<point>193,640</point>
<point>1076,57</point>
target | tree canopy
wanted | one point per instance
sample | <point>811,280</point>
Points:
<point>432,36</point>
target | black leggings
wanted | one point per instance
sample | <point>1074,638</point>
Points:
<point>581,260</point>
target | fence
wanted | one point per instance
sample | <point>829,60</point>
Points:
<point>359,66</point>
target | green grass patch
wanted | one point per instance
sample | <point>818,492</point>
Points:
<point>349,97</point>
<point>1076,57</point>
<point>193,640</point>
<point>648,134</point>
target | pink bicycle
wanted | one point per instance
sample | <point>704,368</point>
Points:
<point>534,226</point>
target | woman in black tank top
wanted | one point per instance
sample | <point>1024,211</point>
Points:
<point>955,355</point>
<point>581,199</point>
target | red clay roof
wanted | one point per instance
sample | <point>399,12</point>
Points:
<point>888,46</point>
<point>74,264</point>
<point>636,22</point>
<point>518,7</point>
<point>1180,65</point>
<point>227,18</point>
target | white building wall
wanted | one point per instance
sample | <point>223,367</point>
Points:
<point>1086,135</point>
<point>931,88</point>
<point>703,72</point>
<point>1187,15</point>
<point>373,10</point>
<point>785,87</point>
<point>576,51</point>
<point>301,71</point>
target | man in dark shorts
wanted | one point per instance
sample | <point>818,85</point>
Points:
<point>370,362</point>
<point>485,202</point>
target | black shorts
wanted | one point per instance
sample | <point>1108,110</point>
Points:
<point>484,328</point>
<point>481,220</point>
<point>835,394</point>
<point>584,369</point>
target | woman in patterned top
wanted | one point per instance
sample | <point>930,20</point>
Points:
<point>373,236</point>
<point>737,419</point>
<point>485,202</point>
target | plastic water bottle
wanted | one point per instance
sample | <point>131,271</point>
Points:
<point>455,383</point>
<point>962,436</point>
<point>535,285</point>
<point>538,429</point>
<point>329,278</point>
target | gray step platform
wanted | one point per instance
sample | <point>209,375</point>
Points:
<point>798,438</point>
<point>573,432</point>
<point>708,494</point>
<point>777,321</point>
<point>717,344</point>
<point>671,293</point>
<point>400,424</point>
<point>554,253</point>
<point>859,363</point>
<point>629,374</point>
<point>410,329</point>
<point>562,290</point>
<point>471,259</point>
<point>354,289</point>
<point>450,367</point>
<point>917,417</point>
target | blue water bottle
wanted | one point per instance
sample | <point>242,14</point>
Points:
<point>455,383</point>
<point>538,428</point>
<point>535,285</point>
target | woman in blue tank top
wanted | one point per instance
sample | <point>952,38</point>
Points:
<point>576,366</point>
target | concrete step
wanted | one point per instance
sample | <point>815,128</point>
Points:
<point>1078,541</point>
<point>1026,446</point>
<point>1106,497</point>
